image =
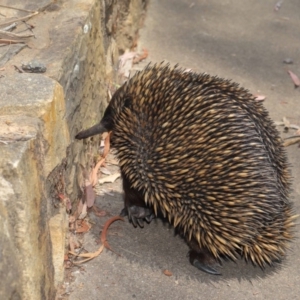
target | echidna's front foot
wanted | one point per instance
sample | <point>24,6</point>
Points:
<point>204,262</point>
<point>137,215</point>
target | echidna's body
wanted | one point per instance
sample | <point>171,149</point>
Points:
<point>202,151</point>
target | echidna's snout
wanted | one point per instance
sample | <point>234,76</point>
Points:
<point>96,129</point>
<point>105,125</point>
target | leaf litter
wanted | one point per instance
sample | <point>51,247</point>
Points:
<point>167,272</point>
<point>78,224</point>
<point>104,243</point>
<point>294,78</point>
<point>291,140</point>
<point>105,171</point>
<point>128,59</point>
<point>259,97</point>
<point>110,178</point>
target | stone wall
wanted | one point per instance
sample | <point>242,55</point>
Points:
<point>79,42</point>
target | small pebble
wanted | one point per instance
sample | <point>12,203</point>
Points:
<point>288,61</point>
<point>34,66</point>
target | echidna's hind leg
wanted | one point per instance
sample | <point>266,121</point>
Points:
<point>135,207</point>
<point>202,259</point>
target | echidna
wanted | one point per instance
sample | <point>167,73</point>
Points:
<point>203,152</point>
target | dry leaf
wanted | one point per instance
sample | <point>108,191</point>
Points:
<point>105,171</point>
<point>68,204</point>
<point>73,242</point>
<point>66,201</point>
<point>106,145</point>
<point>259,97</point>
<point>79,207</point>
<point>89,256</point>
<point>141,56</point>
<point>167,273</point>
<point>126,56</point>
<point>94,173</point>
<point>72,219</point>
<point>108,192</point>
<point>286,122</point>
<point>90,195</point>
<point>111,178</point>
<point>82,226</point>
<point>104,231</point>
<point>94,177</point>
<point>295,78</point>
<point>99,212</point>
<point>125,64</point>
<point>83,212</point>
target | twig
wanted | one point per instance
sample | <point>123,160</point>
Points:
<point>292,126</point>
<point>129,251</point>
<point>10,27</point>
<point>18,69</point>
<point>20,19</point>
<point>14,35</point>
<point>28,26</point>
<point>89,256</point>
<point>15,8</point>
<point>43,8</point>
<point>291,140</point>
<point>76,254</point>
<point>5,41</point>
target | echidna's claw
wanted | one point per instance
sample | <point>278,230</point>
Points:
<point>124,212</point>
<point>204,261</point>
<point>149,218</point>
<point>205,268</point>
<point>134,221</point>
<point>137,214</point>
<point>140,222</point>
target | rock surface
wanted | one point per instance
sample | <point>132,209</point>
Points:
<point>39,115</point>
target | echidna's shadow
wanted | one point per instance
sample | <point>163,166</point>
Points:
<point>159,247</point>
